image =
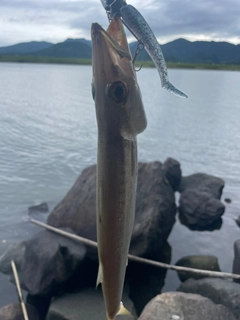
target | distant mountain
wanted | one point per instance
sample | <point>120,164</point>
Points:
<point>82,40</point>
<point>25,47</point>
<point>71,48</point>
<point>179,50</point>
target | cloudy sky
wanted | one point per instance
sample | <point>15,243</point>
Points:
<point>57,20</point>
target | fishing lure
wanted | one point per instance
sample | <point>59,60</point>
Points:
<point>138,26</point>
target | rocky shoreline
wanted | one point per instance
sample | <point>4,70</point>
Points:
<point>60,274</point>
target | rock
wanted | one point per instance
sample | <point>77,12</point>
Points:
<point>146,281</point>
<point>238,221</point>
<point>203,182</point>
<point>236,260</point>
<point>42,207</point>
<point>16,253</point>
<point>220,291</point>
<point>40,303</point>
<point>14,312</point>
<point>199,208</point>
<point>78,209</point>
<point>86,304</point>
<point>181,306</point>
<point>155,208</point>
<point>49,261</point>
<point>197,262</point>
<point>173,173</point>
<point>227,200</point>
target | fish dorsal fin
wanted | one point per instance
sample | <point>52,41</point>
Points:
<point>99,276</point>
<point>123,311</point>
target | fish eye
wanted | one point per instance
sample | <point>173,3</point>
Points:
<point>93,90</point>
<point>117,91</point>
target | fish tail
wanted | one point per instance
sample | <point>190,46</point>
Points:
<point>169,87</point>
<point>123,311</point>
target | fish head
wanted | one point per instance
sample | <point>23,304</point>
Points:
<point>118,101</point>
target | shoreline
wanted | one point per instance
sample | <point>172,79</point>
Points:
<point>146,64</point>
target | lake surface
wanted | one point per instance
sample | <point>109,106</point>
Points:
<point>48,135</point>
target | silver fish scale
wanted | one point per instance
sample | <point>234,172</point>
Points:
<point>141,30</point>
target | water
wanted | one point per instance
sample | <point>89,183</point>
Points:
<point>48,135</point>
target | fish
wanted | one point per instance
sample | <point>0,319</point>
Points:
<point>120,118</point>
<point>138,26</point>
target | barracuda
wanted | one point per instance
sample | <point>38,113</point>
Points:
<point>120,117</point>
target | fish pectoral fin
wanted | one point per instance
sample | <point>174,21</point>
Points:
<point>99,276</point>
<point>123,311</point>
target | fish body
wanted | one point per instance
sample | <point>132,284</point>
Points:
<point>120,117</point>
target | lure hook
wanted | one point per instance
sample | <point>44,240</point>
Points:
<point>139,48</point>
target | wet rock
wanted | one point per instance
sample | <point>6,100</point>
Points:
<point>86,304</point>
<point>40,303</point>
<point>220,291</point>
<point>42,207</point>
<point>181,306</point>
<point>196,262</point>
<point>173,173</point>
<point>49,261</point>
<point>16,253</point>
<point>238,221</point>
<point>203,182</point>
<point>227,200</point>
<point>78,209</point>
<point>84,276</point>
<point>236,260</point>
<point>155,208</point>
<point>199,208</point>
<point>146,281</point>
<point>14,312</point>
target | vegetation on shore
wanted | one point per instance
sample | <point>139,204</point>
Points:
<point>36,59</point>
<point>147,64</point>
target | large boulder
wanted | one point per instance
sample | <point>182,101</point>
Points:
<point>16,253</point>
<point>199,208</point>
<point>236,261</point>
<point>182,306</point>
<point>146,281</point>
<point>203,182</point>
<point>155,208</point>
<point>14,312</point>
<point>78,208</point>
<point>85,305</point>
<point>173,173</point>
<point>220,291</point>
<point>196,262</point>
<point>49,261</point>
<point>40,303</point>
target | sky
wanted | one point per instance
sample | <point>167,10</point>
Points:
<point>56,20</point>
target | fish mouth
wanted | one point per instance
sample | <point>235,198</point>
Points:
<point>114,38</point>
<point>110,49</point>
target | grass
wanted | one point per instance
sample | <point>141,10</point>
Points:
<point>34,59</point>
<point>146,64</point>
